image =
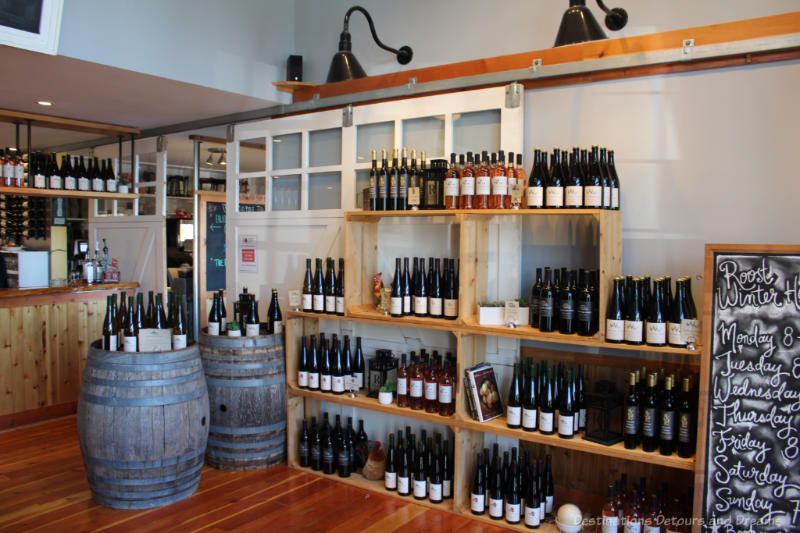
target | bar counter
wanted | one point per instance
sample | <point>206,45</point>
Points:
<point>44,340</point>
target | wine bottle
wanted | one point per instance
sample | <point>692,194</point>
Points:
<point>529,400</point>
<point>451,185</point>
<point>450,291</point>
<point>421,291</point>
<point>656,317</point>
<point>431,384</point>
<point>685,421</point>
<point>581,399</point>
<point>610,518</point>
<point>179,330</point>
<point>392,183</point>
<point>483,182</point>
<point>549,491</point>
<point>402,182</point>
<point>584,303</point>
<point>358,366</point>
<point>554,189</point>
<point>304,446</point>
<point>383,184</point>
<point>547,405</point>
<point>402,383</point>
<point>328,455</point>
<point>373,181</point>
<point>223,313</point>
<point>566,309</point>
<point>573,186</point>
<point>109,176</point>
<point>330,288</point>
<point>447,471</point>
<point>632,403</point>
<point>416,386</point>
<point>435,488</point>
<point>343,457</point>
<point>302,365</point>
<point>532,499</point>
<point>650,429</point>
<point>615,314</point>
<point>534,193</point>
<point>325,375</point>
<point>496,493</point>
<point>109,329</point>
<point>252,327</point>
<point>514,402</point>
<point>513,507</point>
<point>435,296</point>
<point>337,370</point>
<point>677,316</point>
<point>499,182</point>
<point>404,471</point>
<point>667,417</point>
<point>420,475</point>
<point>633,514</point>
<point>690,326</point>
<point>566,411</point>
<point>515,176</point>
<point>308,290</point>
<point>478,490</point>
<point>151,307</point>
<point>415,182</point>
<point>319,289</point>
<point>347,365</point>
<point>396,300</point>
<point>84,183</point>
<point>313,364</point>
<point>340,289</point>
<point>445,393</point>
<point>593,188</point>
<point>130,341</point>
<point>390,473</point>
<point>316,445</point>
<point>654,519</point>
<point>546,304</point>
<point>466,177</point>
<point>159,319</point>
<point>122,318</point>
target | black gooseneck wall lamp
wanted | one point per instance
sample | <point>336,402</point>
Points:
<point>345,66</point>
<point>579,25</point>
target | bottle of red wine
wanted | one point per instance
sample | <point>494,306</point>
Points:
<point>546,304</point>
<point>390,473</point>
<point>337,372</point>
<point>593,188</point>
<point>421,292</point>
<point>677,316</point>
<point>358,366</point>
<point>632,402</point>
<point>529,401</point>
<point>318,289</point>
<point>614,181</point>
<point>304,446</point>
<point>325,375</point>
<point>656,327</point>
<point>514,402</point>
<point>573,186</point>
<point>383,184</point>
<point>667,418</point>
<point>536,289</point>
<point>406,289</point>
<point>403,471</point>
<point>615,315</point>
<point>584,305</point>
<point>313,364</point>
<point>634,316</point>
<point>496,494</point>
<point>566,412</point>
<point>450,291</point>
<point>435,296</point>
<point>534,194</point>
<point>396,299</point>
<point>435,488</point>
<point>547,405</point>
<point>347,364</point>
<point>513,507</point>
<point>566,308</point>
<point>554,191</point>
<point>373,182</point>
<point>302,365</point>
<point>649,406</point>
<point>340,289</point>
<point>685,421</point>
<point>274,315</point>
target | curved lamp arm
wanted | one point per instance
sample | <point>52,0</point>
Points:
<point>404,54</point>
<point>616,18</point>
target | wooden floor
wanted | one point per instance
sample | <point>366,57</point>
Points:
<point>43,488</point>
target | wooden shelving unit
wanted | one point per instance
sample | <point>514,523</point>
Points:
<point>63,193</point>
<point>362,234</point>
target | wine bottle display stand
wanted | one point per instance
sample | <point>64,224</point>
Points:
<point>63,193</point>
<point>363,244</point>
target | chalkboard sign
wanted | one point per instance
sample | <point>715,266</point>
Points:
<point>215,246</point>
<point>750,476</point>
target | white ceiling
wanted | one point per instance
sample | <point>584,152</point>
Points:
<point>94,92</point>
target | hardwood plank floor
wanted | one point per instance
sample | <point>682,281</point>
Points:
<point>43,488</point>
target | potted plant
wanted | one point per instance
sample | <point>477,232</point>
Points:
<point>386,393</point>
<point>234,330</point>
<point>493,313</point>
<point>123,186</point>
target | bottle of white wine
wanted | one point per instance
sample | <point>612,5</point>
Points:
<point>179,327</point>
<point>213,317</point>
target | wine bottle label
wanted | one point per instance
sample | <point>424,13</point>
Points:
<point>39,181</point>
<point>529,417</point>
<point>633,330</point>
<point>252,330</point>
<point>330,304</point>
<point>313,380</point>
<point>632,420</point>
<point>343,457</point>
<point>277,327</point>
<point>319,302</point>
<point>308,302</point>
<point>649,422</point>
<point>450,307</point>
<point>607,197</point>
<point>111,185</point>
<point>435,492</point>
<point>98,185</point>
<point>513,512</point>
<point>303,450</point>
<point>213,328</point>
<point>325,382</point>
<point>340,305</point>
<point>179,342</point>
<point>435,306</point>
<point>593,196</point>
<point>447,488</point>
<point>390,480</point>
<point>445,394</point>
<point>615,198</point>
<point>70,183</point>
<point>430,390</point>
<point>566,425</point>
<point>514,415</point>
<point>573,196</point>
<point>396,307</point>
<point>403,484</point>
<point>684,427</point>
<point>541,509</point>
<point>406,305</point>
<point>19,174</point>
<point>416,388</point>
<point>512,180</point>
<point>392,186</point>
<point>500,185</point>
<point>534,196</point>
<point>468,186</point>
<point>532,516</point>
<point>451,187</point>
<point>129,344</point>
<point>610,524</point>
<point>402,386</point>
<point>83,184</point>
<point>674,333</point>
<point>567,310</point>
<point>548,504</point>
<point>421,305</point>
<point>302,378</point>
<point>633,526</point>
<point>656,333</point>
<point>359,380</point>
<point>545,422</point>
<point>413,196</point>
<point>420,488</point>
<point>223,323</point>
<point>690,330</point>
<point>483,185</point>
<point>381,186</point>
<point>582,418</point>
<point>55,182</point>
<point>545,307</point>
<point>477,502</point>
<point>575,422</point>
<point>555,196</point>
<point>111,343</point>
<point>338,384</point>
<point>585,311</point>
<point>327,457</point>
<point>667,425</point>
<point>496,508</point>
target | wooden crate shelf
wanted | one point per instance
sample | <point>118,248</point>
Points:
<point>369,314</point>
<point>63,193</point>
<point>545,527</point>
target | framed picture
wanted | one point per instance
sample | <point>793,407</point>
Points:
<point>31,24</point>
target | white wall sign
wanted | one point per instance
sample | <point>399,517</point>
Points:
<point>248,261</point>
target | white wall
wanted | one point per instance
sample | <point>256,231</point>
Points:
<point>448,31</point>
<point>239,46</point>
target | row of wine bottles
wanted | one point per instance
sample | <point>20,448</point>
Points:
<point>640,312</point>
<point>399,187</point>
<point>424,468</point>
<point>12,168</point>
<point>330,368</point>
<point>565,301</point>
<point>122,324</point>
<point>324,293</point>
<point>333,448</point>
<point>512,489</point>
<point>658,417</point>
<point>75,174</point>
<point>427,383</point>
<point>246,317</point>
<point>434,294</point>
<point>636,510</point>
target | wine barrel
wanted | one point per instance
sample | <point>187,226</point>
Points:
<point>143,425</point>
<point>246,379</point>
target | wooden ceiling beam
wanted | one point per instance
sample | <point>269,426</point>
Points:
<point>61,123</point>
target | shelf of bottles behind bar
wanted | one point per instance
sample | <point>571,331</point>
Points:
<point>75,173</point>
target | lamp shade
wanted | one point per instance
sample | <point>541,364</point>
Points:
<point>345,66</point>
<point>578,25</point>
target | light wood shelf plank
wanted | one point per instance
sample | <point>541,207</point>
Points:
<point>62,193</point>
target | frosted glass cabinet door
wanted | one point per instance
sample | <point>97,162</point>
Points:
<point>478,130</point>
<point>425,134</point>
<point>252,155</point>
<point>374,137</point>
<point>325,190</point>
<point>286,151</point>
<point>325,147</point>
<point>286,193</point>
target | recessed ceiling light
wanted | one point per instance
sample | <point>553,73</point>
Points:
<point>45,103</point>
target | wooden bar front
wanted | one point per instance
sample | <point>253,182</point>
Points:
<point>44,339</point>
